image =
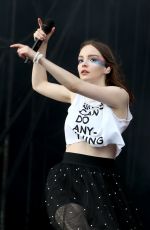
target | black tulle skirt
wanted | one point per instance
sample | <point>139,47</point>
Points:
<point>84,193</point>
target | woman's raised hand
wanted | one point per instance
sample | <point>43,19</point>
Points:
<point>40,34</point>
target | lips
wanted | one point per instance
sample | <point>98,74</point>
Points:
<point>84,72</point>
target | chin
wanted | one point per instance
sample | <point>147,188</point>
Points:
<point>85,78</point>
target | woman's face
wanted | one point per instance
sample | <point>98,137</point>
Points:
<point>91,64</point>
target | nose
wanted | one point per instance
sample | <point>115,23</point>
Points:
<point>85,63</point>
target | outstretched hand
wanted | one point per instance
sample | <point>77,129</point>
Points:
<point>24,51</point>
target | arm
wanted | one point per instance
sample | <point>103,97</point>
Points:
<point>113,96</point>
<point>41,85</point>
<point>39,74</point>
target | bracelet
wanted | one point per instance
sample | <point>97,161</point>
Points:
<point>37,57</point>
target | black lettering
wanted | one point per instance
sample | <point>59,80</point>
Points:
<point>90,130</point>
<point>95,112</point>
<point>101,106</point>
<point>100,140</point>
<point>91,140</point>
<point>85,120</point>
<point>79,119</point>
<point>85,138</point>
<point>83,129</point>
<point>78,136</point>
<point>83,112</point>
<point>76,128</point>
<point>86,106</point>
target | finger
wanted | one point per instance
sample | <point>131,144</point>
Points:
<point>40,23</point>
<point>52,31</point>
<point>21,55</point>
<point>41,33</point>
<point>17,45</point>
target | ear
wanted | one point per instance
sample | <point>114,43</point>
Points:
<point>108,70</point>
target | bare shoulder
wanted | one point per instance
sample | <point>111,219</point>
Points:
<point>114,96</point>
<point>122,102</point>
<point>119,91</point>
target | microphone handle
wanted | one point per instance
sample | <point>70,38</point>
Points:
<point>35,47</point>
<point>27,60</point>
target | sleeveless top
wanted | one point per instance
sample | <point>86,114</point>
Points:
<point>94,122</point>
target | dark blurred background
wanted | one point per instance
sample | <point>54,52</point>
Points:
<point>31,126</point>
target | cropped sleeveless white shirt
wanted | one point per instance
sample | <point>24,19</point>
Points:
<point>94,122</point>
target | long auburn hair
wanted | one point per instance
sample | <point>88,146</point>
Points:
<point>116,75</point>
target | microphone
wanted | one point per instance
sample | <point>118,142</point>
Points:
<point>46,27</point>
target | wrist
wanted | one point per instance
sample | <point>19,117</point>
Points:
<point>43,49</point>
<point>37,57</point>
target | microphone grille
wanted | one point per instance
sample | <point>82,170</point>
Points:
<point>48,25</point>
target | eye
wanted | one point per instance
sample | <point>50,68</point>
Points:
<point>93,60</point>
<point>97,61</point>
<point>80,61</point>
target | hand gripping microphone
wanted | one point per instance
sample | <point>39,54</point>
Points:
<point>46,27</point>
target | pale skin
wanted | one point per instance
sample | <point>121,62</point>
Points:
<point>91,83</point>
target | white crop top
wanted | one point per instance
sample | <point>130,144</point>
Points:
<point>94,122</point>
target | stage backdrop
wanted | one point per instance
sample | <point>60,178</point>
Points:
<point>31,126</point>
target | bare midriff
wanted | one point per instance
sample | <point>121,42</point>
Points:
<point>108,151</point>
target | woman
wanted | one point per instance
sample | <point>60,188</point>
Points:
<point>83,191</point>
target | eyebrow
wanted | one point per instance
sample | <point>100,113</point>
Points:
<point>91,55</point>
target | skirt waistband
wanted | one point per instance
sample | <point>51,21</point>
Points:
<point>76,158</point>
